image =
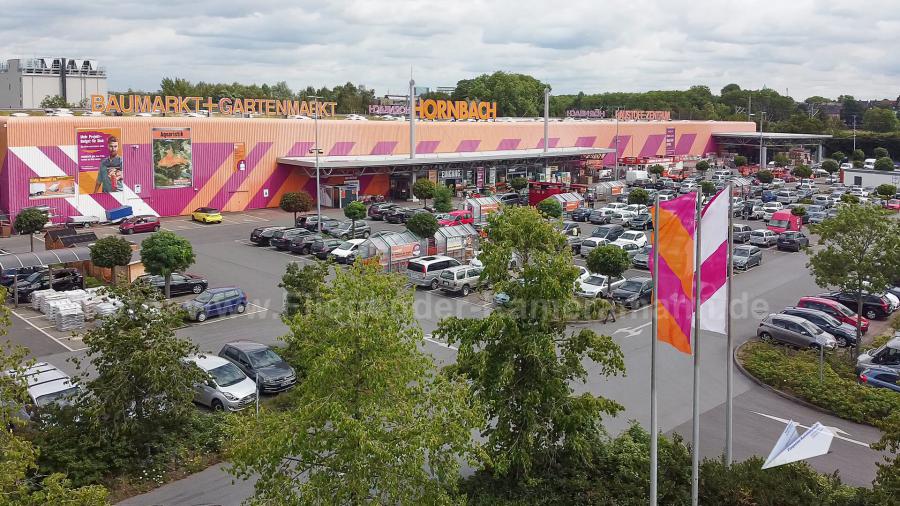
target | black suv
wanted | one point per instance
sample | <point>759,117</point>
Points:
<point>260,236</point>
<point>608,232</point>
<point>794,241</point>
<point>377,211</point>
<point>260,364</point>
<point>281,239</point>
<point>874,306</point>
<point>63,280</point>
<point>634,293</point>
<point>582,214</point>
<point>303,243</point>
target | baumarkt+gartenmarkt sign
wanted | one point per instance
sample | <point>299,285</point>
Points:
<point>125,104</point>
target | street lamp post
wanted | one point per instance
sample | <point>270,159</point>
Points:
<point>317,151</point>
<point>854,133</point>
<point>762,149</point>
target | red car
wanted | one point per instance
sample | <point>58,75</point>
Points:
<point>139,224</point>
<point>837,310</point>
<point>893,205</point>
<point>454,218</point>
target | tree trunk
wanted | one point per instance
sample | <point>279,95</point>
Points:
<point>168,282</point>
<point>295,218</point>
<point>859,317</point>
<point>31,238</point>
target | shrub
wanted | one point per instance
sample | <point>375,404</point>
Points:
<point>740,160</point>
<point>886,190</point>
<point>884,163</point>
<point>550,207</point>
<point>830,166</point>
<point>702,165</point>
<point>765,176</point>
<point>639,196</point>
<point>443,199</point>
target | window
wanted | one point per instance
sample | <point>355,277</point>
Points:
<point>890,356</point>
<point>229,352</point>
<point>219,297</point>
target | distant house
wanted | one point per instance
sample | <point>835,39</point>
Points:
<point>831,110</point>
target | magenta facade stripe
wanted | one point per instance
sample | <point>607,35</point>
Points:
<point>237,177</point>
<point>207,158</point>
<point>342,148</point>
<point>711,146</point>
<point>300,149</point>
<point>427,147</point>
<point>610,158</point>
<point>384,148</point>
<point>17,191</point>
<point>651,145</point>
<point>685,143</point>
<point>586,142</point>
<point>467,146</point>
<point>4,185</point>
<point>508,144</point>
<point>60,159</point>
<point>551,143</point>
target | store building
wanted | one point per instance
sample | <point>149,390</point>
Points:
<point>168,166</point>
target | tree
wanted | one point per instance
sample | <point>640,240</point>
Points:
<point>424,225</point>
<point>830,166</point>
<point>886,191</point>
<point>858,155</point>
<point>639,196</point>
<point>302,286</point>
<point>518,183</point>
<point>859,253</point>
<point>884,164</point>
<point>443,199</point>
<point>799,211</point>
<point>164,253</point>
<point>708,187</point>
<point>886,485</point>
<point>296,202</point>
<point>55,102</point>
<point>550,207</point>
<point>376,425</point>
<point>515,94</point>
<point>838,155</point>
<point>878,119</point>
<point>781,160</point>
<point>802,171</point>
<point>765,176</point>
<point>849,198</point>
<point>520,362</point>
<point>702,166</point>
<point>424,189</point>
<point>657,170</point>
<point>880,152</point>
<point>740,160</point>
<point>355,210</point>
<point>609,261</point>
<point>111,252</point>
<point>31,221</point>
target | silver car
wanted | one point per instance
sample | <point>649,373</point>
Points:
<point>745,257</point>
<point>425,271</point>
<point>590,243</point>
<point>763,238</point>
<point>227,386</point>
<point>794,331</point>
<point>885,357</point>
<point>461,279</point>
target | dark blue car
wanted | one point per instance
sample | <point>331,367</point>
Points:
<point>879,378</point>
<point>768,196</point>
<point>216,302</point>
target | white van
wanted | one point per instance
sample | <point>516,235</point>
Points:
<point>869,163</point>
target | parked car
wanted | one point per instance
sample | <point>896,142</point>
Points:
<point>641,258</point>
<point>601,216</point>
<point>303,243</point>
<point>426,271</point>
<point>844,333</point>
<point>206,215</point>
<point>641,222</point>
<point>822,200</point>
<point>215,302</point>
<point>836,310</point>
<point>396,215</point>
<point>874,306</point>
<point>740,233</point>
<point>281,239</point>
<point>377,211</point>
<point>323,247</point>
<point>46,384</point>
<point>597,285</point>
<point>634,292</point>
<point>454,218</point>
<point>630,248</point>
<point>881,378</point>
<point>582,214</point>
<point>786,197</point>
<point>608,232</point>
<point>460,279</point>
<point>227,387</point>
<point>893,205</point>
<point>347,230</point>
<point>63,280</point>
<point>8,276</point>
<point>817,217</point>
<point>885,357</point>
<point>347,251</point>
<point>179,283</point>
<point>261,236</point>
<point>792,241</point>
<point>260,363</point>
<point>794,331</point>
<point>588,244</point>
<point>312,223</point>
<point>770,208</point>
<point>139,224</point>
<point>763,238</point>
<point>510,199</point>
<point>746,256</point>
<point>633,236</point>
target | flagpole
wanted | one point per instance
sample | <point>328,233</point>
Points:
<point>654,425</point>
<point>729,365</point>
<point>695,457</point>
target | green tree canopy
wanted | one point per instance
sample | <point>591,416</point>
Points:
<point>880,153</point>
<point>354,211</point>
<point>849,198</point>
<point>608,260</point>
<point>781,160</point>
<point>639,196</point>
<point>518,183</point>
<point>740,160</point>
<point>296,202</point>
<point>424,225</point>
<point>302,285</point>
<point>886,190</point>
<point>550,207</point>
<point>802,171</point>
<point>708,187</point>
<point>798,211</point>
<point>30,221</point>
<point>164,253</point>
<point>858,155</point>
<point>702,166</point>
<point>884,164</point>
<point>877,119</point>
<point>378,425</point>
<point>423,189</point>
<point>55,102</point>
<point>830,166</point>
<point>516,94</point>
<point>657,169</point>
<point>111,252</point>
<point>765,176</point>
<point>443,202</point>
<point>839,156</point>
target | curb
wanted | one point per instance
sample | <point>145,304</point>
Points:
<point>780,393</point>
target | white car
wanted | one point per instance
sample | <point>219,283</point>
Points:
<point>688,188</point>
<point>596,285</point>
<point>636,208</point>
<point>624,214</point>
<point>356,117</point>
<point>590,243</point>
<point>634,236</point>
<point>777,182</point>
<point>770,208</point>
<point>346,252</point>
<point>616,205</point>
<point>227,387</point>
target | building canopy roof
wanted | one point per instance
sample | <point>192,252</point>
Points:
<point>334,162</point>
<point>51,257</point>
<point>768,138</point>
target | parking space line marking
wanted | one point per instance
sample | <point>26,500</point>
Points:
<point>439,343</point>
<point>231,317</point>
<point>57,341</point>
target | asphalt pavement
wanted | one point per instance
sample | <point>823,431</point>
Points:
<point>225,257</point>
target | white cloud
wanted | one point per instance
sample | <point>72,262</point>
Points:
<point>822,47</point>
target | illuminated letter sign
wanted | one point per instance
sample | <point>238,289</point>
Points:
<point>625,115</point>
<point>121,104</point>
<point>455,110</point>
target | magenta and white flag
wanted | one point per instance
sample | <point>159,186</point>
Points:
<point>714,263</point>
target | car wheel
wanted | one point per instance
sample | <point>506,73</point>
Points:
<point>871,314</point>
<point>365,235</point>
<point>129,231</point>
<point>241,308</point>
<point>434,284</point>
<point>197,289</point>
<point>217,405</point>
<point>156,228</point>
<point>304,251</point>
<point>465,290</point>
<point>201,316</point>
<point>343,237</point>
<point>766,337</point>
<point>842,342</point>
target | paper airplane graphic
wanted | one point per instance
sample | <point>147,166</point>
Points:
<point>791,446</point>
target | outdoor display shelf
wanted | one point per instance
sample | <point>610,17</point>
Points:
<point>459,242</point>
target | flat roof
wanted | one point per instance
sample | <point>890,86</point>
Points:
<point>335,162</point>
<point>770,135</point>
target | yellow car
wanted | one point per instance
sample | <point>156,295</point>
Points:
<point>207,215</point>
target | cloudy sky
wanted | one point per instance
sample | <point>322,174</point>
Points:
<point>822,47</point>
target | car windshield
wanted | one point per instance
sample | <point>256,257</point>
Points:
<point>830,320</point>
<point>780,224</point>
<point>204,297</point>
<point>845,310</point>
<point>33,278</point>
<point>596,280</point>
<point>741,252</point>
<point>227,374</point>
<point>56,396</point>
<point>444,216</point>
<point>263,358</point>
<point>631,286</point>
<point>346,245</point>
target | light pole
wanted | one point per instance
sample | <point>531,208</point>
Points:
<point>762,156</point>
<point>854,133</point>
<point>317,151</point>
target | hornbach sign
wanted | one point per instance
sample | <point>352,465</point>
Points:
<point>126,104</point>
<point>455,109</point>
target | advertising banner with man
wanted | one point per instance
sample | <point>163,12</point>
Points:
<point>100,168</point>
<point>173,165</point>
